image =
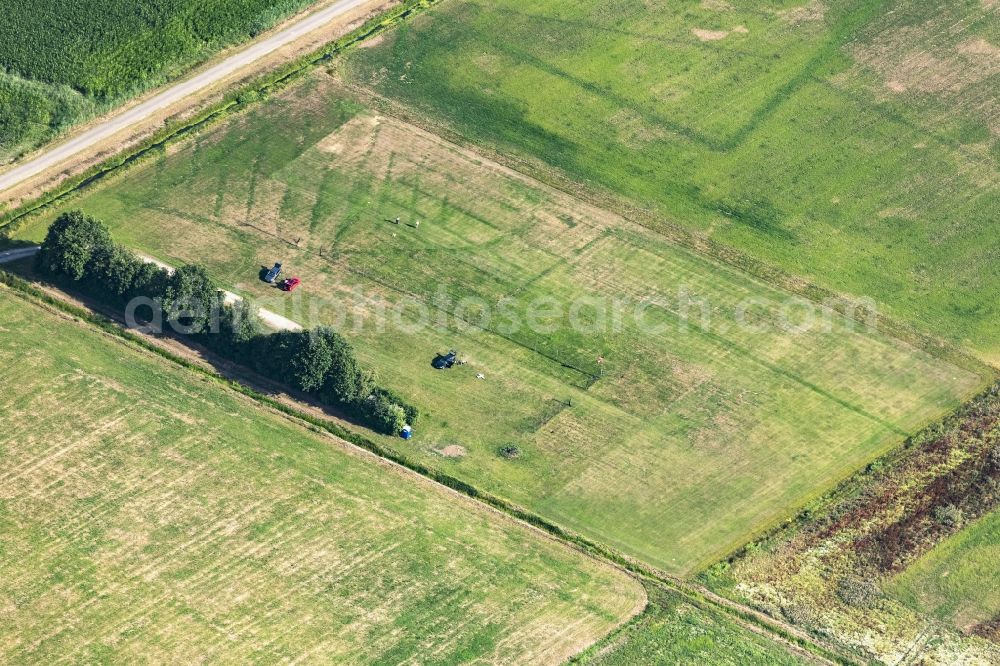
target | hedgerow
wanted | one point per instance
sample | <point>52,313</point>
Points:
<point>79,250</point>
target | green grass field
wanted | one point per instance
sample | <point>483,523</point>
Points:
<point>851,143</point>
<point>674,631</point>
<point>957,581</point>
<point>683,443</point>
<point>148,514</point>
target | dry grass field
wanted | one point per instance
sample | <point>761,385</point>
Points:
<point>150,515</point>
<point>611,211</point>
<point>668,436</point>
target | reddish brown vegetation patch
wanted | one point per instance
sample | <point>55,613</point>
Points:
<point>989,630</point>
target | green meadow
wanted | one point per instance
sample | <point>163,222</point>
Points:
<point>957,580</point>
<point>150,515</point>
<point>708,410</point>
<point>854,144</point>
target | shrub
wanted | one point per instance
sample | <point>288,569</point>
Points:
<point>191,299</point>
<point>385,416</point>
<point>509,452</point>
<point>858,592</point>
<point>949,516</point>
<point>345,382</point>
<point>412,413</point>
<point>71,244</point>
<point>149,280</point>
<point>117,269</point>
<point>993,458</point>
<point>310,361</point>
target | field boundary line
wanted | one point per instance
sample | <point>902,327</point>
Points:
<point>696,593</point>
<point>63,307</point>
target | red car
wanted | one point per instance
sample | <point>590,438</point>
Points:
<point>291,283</point>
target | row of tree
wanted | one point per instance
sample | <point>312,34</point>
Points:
<point>320,362</point>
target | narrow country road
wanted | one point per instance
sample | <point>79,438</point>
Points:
<point>60,152</point>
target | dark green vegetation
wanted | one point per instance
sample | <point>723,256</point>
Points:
<point>78,249</point>
<point>151,516</point>
<point>63,60</point>
<point>674,631</point>
<point>826,571</point>
<point>852,143</point>
<point>31,112</point>
<point>313,179</point>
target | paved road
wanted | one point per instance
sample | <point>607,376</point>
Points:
<point>61,152</point>
<point>18,253</point>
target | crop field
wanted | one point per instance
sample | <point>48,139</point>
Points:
<point>64,60</point>
<point>957,581</point>
<point>855,144</point>
<point>149,515</point>
<point>673,437</point>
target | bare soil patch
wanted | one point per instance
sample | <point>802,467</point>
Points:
<point>809,12</point>
<point>451,451</point>
<point>930,58</point>
<point>370,43</point>
<point>709,35</point>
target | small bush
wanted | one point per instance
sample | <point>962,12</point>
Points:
<point>949,516</point>
<point>412,413</point>
<point>799,614</point>
<point>858,592</point>
<point>386,417</point>
<point>993,458</point>
<point>509,452</point>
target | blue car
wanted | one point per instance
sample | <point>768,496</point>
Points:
<point>444,361</point>
<point>273,274</point>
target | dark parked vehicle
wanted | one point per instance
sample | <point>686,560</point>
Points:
<point>273,274</point>
<point>445,361</point>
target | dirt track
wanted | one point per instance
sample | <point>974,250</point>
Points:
<point>18,253</point>
<point>272,319</point>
